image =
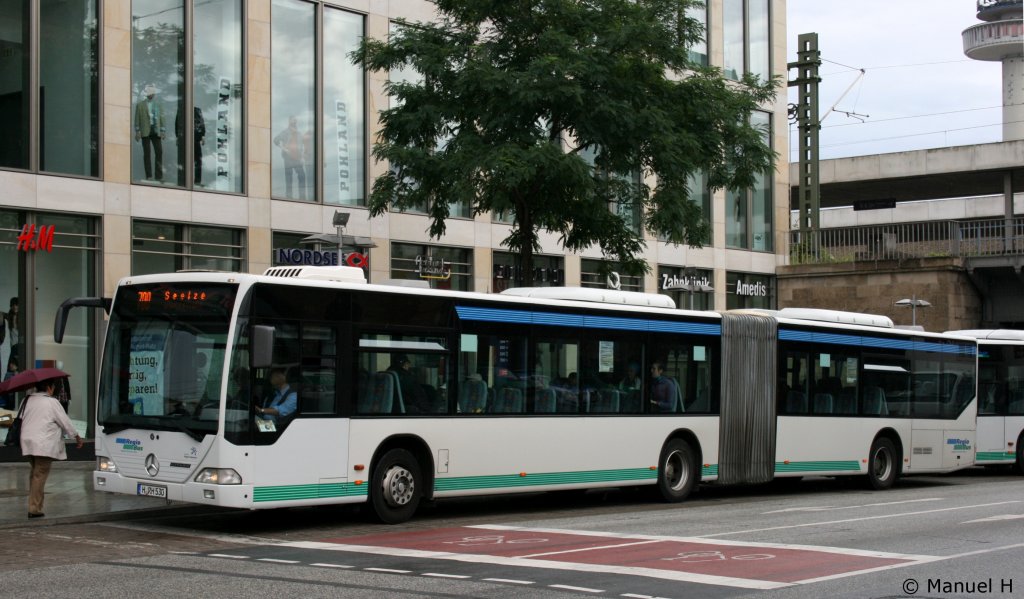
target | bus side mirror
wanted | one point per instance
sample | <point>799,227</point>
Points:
<point>262,346</point>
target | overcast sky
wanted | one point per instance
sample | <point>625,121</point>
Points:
<point>912,52</point>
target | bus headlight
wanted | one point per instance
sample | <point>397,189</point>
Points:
<point>218,476</point>
<point>105,464</point>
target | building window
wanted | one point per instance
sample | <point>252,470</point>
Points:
<point>548,271</point>
<point>187,120</point>
<point>286,241</point>
<point>217,116</point>
<point>410,76</point>
<point>747,40</point>
<point>318,122</point>
<point>64,108</point>
<point>603,274</point>
<point>697,185</point>
<point>699,50</point>
<point>344,118</point>
<point>745,290</point>
<point>441,267</point>
<point>628,208</point>
<point>684,286</point>
<point>748,218</point>
<point>38,280</point>
<point>293,99</point>
<point>159,247</point>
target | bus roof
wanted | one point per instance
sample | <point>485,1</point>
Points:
<point>991,334</point>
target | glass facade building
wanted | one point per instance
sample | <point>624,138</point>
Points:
<point>144,136</point>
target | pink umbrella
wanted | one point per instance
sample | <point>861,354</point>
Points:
<point>31,378</point>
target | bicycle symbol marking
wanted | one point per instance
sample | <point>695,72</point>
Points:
<point>691,557</point>
<point>492,540</point>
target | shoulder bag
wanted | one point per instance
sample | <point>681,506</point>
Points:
<point>14,432</point>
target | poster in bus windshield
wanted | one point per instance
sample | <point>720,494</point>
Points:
<point>145,368</point>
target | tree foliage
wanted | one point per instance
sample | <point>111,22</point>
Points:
<point>517,90</point>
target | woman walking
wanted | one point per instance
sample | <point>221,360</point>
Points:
<point>42,424</point>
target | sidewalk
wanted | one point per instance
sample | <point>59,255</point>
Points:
<point>70,497</point>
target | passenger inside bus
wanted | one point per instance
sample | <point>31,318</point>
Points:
<point>413,395</point>
<point>664,393</point>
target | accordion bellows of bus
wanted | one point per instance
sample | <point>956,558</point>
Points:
<point>308,386</point>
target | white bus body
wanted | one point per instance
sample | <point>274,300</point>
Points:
<point>494,407</point>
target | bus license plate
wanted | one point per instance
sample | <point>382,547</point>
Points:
<point>152,491</point>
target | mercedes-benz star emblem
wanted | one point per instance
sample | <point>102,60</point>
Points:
<point>152,464</point>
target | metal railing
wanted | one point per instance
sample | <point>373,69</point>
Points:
<point>948,238</point>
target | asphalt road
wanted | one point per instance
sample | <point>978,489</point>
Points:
<point>957,535</point>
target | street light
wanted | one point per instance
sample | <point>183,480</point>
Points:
<point>339,221</point>
<point>694,285</point>
<point>914,304</point>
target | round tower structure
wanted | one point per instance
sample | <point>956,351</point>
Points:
<point>1000,37</point>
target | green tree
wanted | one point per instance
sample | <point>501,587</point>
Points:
<point>512,92</point>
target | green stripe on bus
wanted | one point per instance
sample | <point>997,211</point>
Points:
<point>315,491</point>
<point>709,470</point>
<point>841,465</point>
<point>987,456</point>
<point>505,481</point>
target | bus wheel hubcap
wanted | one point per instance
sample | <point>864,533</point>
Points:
<point>882,464</point>
<point>399,486</point>
<point>676,471</point>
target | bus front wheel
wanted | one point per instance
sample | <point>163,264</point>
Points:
<point>883,465</point>
<point>397,487</point>
<point>677,471</point>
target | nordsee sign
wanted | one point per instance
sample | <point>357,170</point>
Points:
<point>307,257</point>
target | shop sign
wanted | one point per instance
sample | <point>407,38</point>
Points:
<point>29,240</point>
<point>555,276</point>
<point>751,289</point>
<point>428,267</point>
<point>307,257</point>
<point>357,259</point>
<point>669,283</point>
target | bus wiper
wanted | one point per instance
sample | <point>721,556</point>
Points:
<point>109,429</point>
<point>188,431</point>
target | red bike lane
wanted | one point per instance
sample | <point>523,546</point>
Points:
<point>721,559</point>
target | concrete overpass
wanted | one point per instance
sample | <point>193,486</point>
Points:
<point>959,171</point>
<point>995,169</point>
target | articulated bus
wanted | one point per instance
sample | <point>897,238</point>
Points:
<point>1000,396</point>
<point>402,394</point>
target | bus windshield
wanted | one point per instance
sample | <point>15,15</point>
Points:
<point>164,358</point>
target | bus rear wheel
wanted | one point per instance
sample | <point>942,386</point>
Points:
<point>396,487</point>
<point>677,471</point>
<point>883,465</point>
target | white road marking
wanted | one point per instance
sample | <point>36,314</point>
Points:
<point>635,596</point>
<point>996,518</point>
<point>709,541</point>
<point>826,508</point>
<point>437,575</point>
<point>924,560</point>
<point>277,561</point>
<point>227,555</point>
<point>325,565</point>
<point>577,589</point>
<point>646,542</point>
<point>388,570</point>
<point>673,575</point>
<point>864,518</point>
<point>224,538</point>
<point>509,580</point>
